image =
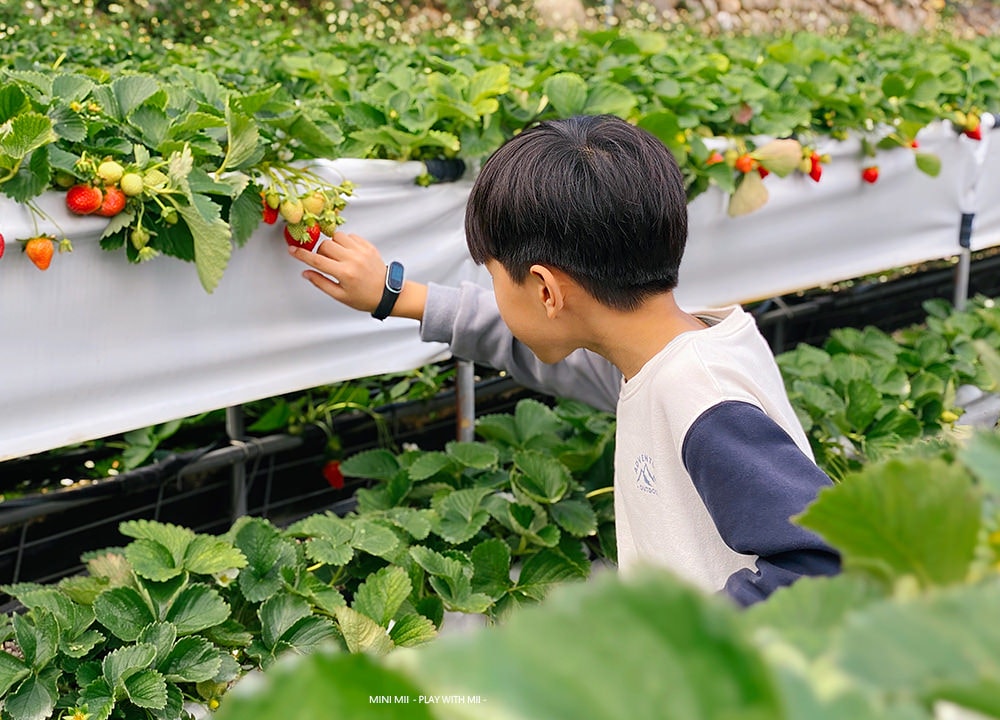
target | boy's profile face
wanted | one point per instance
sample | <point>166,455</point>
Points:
<point>523,309</point>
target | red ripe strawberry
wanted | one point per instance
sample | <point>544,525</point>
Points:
<point>40,250</point>
<point>308,242</point>
<point>763,171</point>
<point>1,246</point>
<point>114,202</point>
<point>816,167</point>
<point>270,214</point>
<point>975,133</point>
<point>83,199</point>
<point>870,174</point>
<point>914,144</point>
<point>332,474</point>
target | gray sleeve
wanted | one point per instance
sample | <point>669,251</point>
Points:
<point>467,319</point>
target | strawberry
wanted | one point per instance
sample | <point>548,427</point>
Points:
<point>314,203</point>
<point>310,236</point>
<point>110,171</point>
<point>292,211</point>
<point>114,202</point>
<point>763,171</point>
<point>270,214</point>
<point>975,133</point>
<point>333,475</point>
<point>714,159</point>
<point>83,199</point>
<point>132,184</point>
<point>815,167</point>
<point>744,163</point>
<point>40,250</point>
<point>1,246</point>
<point>870,174</point>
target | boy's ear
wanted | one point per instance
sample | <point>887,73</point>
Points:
<point>551,286</point>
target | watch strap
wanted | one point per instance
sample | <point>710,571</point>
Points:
<point>389,297</point>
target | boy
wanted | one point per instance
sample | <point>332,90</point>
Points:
<point>582,224</point>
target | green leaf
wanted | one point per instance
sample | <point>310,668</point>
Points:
<point>411,630</point>
<point>119,664</point>
<point>373,538</point>
<point>928,163</point>
<point>540,477</point>
<point>278,614</point>
<point>13,102</point>
<point>99,699</point>
<point>610,98</point>
<point>310,633</point>
<point>34,699</point>
<point>809,612</point>
<point>362,634</point>
<point>676,655</point>
<point>371,465</point>
<point>543,571</point>
<point>32,179</point>
<point>147,689</point>
<point>173,537</point>
<point>942,642</point>
<point>460,514</point>
<point>567,92</point>
<point>328,551</point>
<point>207,555</point>
<point>429,464</point>
<point>491,568</point>
<point>306,687</point>
<point>12,671</point>
<point>28,132</point>
<point>982,456</point>
<point>212,245</point>
<point>499,427</point>
<point>192,659</point>
<point>267,553</point>
<point>382,594</point>
<point>37,636</point>
<point>160,635</point>
<point>243,139</point>
<point>863,403</point>
<point>152,560</point>
<point>576,517</point>
<point>480,456</point>
<point>244,218</point>
<point>533,418</point>
<point>879,519</point>
<point>131,91</point>
<point>413,521</point>
<point>123,612</point>
<point>196,608</point>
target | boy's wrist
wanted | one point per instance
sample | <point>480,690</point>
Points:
<point>411,301</point>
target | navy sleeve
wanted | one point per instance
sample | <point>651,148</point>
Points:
<point>752,477</point>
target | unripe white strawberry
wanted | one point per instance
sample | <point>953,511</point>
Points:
<point>314,203</point>
<point>110,171</point>
<point>292,211</point>
<point>132,184</point>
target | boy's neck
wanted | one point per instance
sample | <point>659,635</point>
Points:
<point>630,339</point>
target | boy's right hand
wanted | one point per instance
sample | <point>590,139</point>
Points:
<point>358,273</point>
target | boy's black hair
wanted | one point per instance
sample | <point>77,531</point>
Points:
<point>593,196</point>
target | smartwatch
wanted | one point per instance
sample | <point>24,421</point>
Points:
<point>393,286</point>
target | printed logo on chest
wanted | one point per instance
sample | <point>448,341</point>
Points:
<point>645,476</point>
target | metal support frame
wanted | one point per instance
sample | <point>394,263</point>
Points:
<point>465,398</point>
<point>236,430</point>
<point>964,268</point>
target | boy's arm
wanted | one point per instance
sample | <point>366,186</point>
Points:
<point>467,319</point>
<point>752,477</point>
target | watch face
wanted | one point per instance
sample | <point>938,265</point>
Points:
<point>394,277</point>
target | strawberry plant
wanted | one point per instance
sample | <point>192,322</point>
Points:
<point>907,630</point>
<point>865,392</point>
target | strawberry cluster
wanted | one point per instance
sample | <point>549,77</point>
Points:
<point>308,216</point>
<point>100,189</point>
